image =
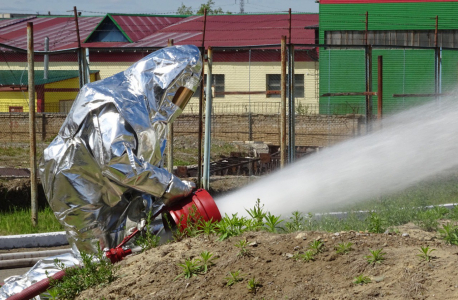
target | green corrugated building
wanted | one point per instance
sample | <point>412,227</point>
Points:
<point>403,32</point>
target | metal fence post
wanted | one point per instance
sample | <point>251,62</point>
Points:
<point>368,61</point>
<point>208,113</point>
<point>32,132</point>
<point>170,135</point>
<point>380,87</point>
<point>250,120</point>
<point>292,106</point>
<point>283,158</point>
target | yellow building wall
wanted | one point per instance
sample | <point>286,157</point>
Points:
<point>238,77</point>
<point>52,99</point>
<point>242,77</point>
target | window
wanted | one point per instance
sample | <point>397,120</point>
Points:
<point>65,106</point>
<point>15,109</point>
<point>421,38</point>
<point>273,82</point>
<point>218,84</point>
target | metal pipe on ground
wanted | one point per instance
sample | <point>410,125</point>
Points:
<point>31,254</point>
<point>19,263</point>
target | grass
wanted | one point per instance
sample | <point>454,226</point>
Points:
<point>376,256</point>
<point>425,253</point>
<point>95,271</point>
<point>19,221</point>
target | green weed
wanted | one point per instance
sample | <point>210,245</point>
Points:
<point>242,245</point>
<point>233,278</point>
<point>189,268</point>
<point>343,248</point>
<point>257,215</point>
<point>376,224</point>
<point>229,227</point>
<point>376,256</point>
<point>207,227</point>
<point>96,270</point>
<point>272,222</point>
<point>295,223</point>
<point>253,285</point>
<point>307,256</point>
<point>425,253</point>
<point>207,260</point>
<point>428,220</point>
<point>449,233</point>
<point>362,279</point>
<point>316,246</point>
<point>148,240</point>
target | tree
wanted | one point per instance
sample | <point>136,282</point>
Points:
<point>184,10</point>
<point>187,10</point>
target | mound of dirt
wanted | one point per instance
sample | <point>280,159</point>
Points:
<point>402,275</point>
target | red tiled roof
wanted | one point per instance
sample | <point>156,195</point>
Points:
<point>154,31</point>
<point>137,27</point>
<point>61,32</point>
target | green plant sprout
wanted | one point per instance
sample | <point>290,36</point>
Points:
<point>257,214</point>
<point>207,227</point>
<point>376,256</point>
<point>96,270</point>
<point>148,240</point>
<point>343,248</point>
<point>307,256</point>
<point>233,278</point>
<point>231,226</point>
<point>207,260</point>
<point>190,268</point>
<point>317,246</point>
<point>449,233</point>
<point>425,253</point>
<point>242,244</point>
<point>295,223</point>
<point>362,279</point>
<point>253,285</point>
<point>272,222</point>
<point>376,223</point>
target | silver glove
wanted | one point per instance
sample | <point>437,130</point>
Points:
<point>177,189</point>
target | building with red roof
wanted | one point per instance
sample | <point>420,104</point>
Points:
<point>246,65</point>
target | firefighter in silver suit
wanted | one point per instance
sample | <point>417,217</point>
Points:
<point>102,174</point>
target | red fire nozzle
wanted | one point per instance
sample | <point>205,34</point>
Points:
<point>199,203</point>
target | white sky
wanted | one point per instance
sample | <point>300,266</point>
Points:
<point>100,7</point>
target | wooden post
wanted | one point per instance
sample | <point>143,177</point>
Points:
<point>32,131</point>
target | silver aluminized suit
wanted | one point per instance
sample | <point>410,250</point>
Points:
<point>103,169</point>
<point>102,174</point>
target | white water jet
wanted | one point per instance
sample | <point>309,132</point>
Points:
<point>412,146</point>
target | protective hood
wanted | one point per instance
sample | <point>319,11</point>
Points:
<point>144,93</point>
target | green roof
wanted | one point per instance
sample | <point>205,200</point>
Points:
<point>20,77</point>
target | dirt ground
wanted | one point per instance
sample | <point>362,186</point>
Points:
<point>402,275</point>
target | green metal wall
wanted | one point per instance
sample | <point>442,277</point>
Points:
<point>405,71</point>
<point>388,16</point>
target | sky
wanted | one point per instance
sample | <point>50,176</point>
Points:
<point>101,7</point>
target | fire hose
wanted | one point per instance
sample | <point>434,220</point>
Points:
<point>200,203</point>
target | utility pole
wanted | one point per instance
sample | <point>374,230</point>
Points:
<point>242,6</point>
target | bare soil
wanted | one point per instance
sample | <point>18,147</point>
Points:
<point>150,275</point>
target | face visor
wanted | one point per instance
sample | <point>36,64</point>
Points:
<point>182,97</point>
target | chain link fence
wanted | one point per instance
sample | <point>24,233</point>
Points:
<point>329,86</point>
